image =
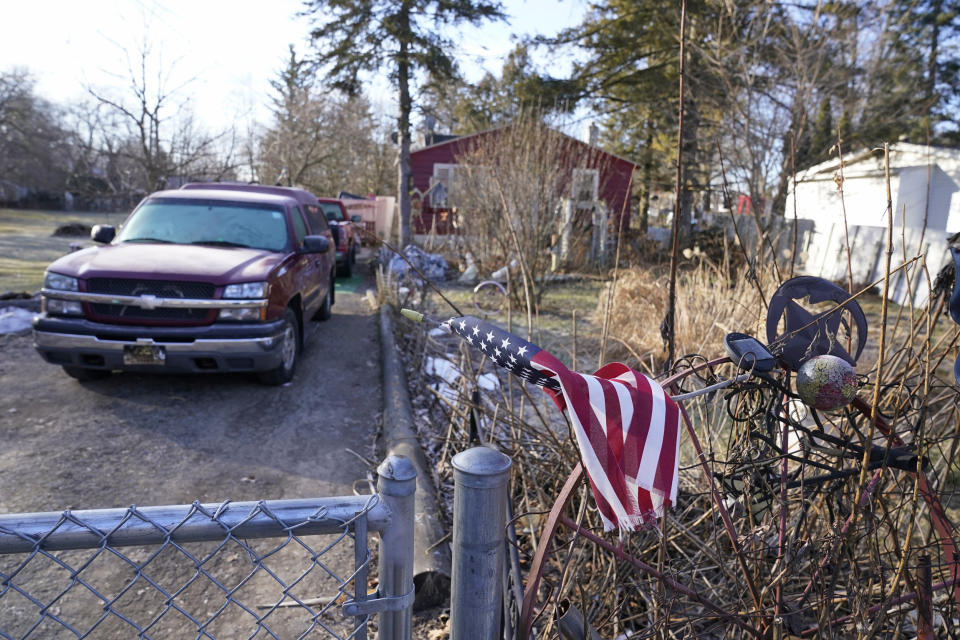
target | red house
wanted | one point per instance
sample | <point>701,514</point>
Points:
<point>594,175</point>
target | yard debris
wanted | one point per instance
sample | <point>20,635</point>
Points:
<point>470,274</point>
<point>502,273</point>
<point>431,265</point>
<point>72,229</point>
<point>15,319</point>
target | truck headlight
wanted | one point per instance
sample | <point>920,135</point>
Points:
<point>243,315</point>
<point>62,307</point>
<point>61,283</point>
<point>247,290</point>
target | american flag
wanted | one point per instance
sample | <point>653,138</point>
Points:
<point>627,428</point>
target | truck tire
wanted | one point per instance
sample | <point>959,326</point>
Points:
<point>85,375</point>
<point>324,312</point>
<point>290,352</point>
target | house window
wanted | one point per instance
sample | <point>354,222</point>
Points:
<point>442,185</point>
<point>586,183</point>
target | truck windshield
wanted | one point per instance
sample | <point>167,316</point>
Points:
<point>332,211</point>
<point>223,224</point>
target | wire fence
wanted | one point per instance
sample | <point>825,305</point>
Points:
<point>267,569</point>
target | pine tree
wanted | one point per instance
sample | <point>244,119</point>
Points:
<point>405,37</point>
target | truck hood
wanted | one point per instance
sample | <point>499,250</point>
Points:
<point>217,265</point>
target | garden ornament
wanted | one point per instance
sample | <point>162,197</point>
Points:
<point>826,383</point>
<point>807,334</point>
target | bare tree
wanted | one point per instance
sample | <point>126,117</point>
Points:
<point>509,187</point>
<point>31,139</point>
<point>156,126</point>
<point>320,139</point>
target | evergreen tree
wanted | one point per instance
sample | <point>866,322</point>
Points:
<point>320,140</point>
<point>630,72</point>
<point>353,37</point>
<point>494,100</point>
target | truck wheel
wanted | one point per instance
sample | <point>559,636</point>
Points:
<point>324,312</point>
<point>289,350</point>
<point>86,375</point>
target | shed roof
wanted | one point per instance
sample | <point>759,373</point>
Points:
<point>870,161</point>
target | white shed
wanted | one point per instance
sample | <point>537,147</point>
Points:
<point>925,189</point>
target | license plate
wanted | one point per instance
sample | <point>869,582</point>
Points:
<point>144,354</point>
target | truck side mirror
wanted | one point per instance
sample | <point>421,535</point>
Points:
<point>356,218</point>
<point>316,244</point>
<point>103,233</point>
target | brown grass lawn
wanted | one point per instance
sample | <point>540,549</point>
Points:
<point>27,243</point>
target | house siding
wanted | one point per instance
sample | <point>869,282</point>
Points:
<point>614,176</point>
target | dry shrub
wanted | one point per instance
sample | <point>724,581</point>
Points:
<point>711,301</point>
<point>818,574</point>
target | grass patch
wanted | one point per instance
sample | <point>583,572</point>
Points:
<point>552,326</point>
<point>27,244</point>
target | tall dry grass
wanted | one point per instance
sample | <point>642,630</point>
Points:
<point>712,301</point>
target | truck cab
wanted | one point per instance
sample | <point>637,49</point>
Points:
<point>345,234</point>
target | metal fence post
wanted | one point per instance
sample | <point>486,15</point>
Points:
<point>479,518</point>
<point>397,485</point>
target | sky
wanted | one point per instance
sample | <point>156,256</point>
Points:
<point>221,52</point>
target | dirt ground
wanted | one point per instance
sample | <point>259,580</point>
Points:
<point>165,439</point>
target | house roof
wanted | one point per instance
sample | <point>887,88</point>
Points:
<point>869,161</point>
<point>453,139</point>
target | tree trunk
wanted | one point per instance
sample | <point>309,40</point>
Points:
<point>691,152</point>
<point>647,181</point>
<point>403,138</point>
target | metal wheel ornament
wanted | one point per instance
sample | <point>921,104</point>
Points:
<point>808,333</point>
<point>489,297</point>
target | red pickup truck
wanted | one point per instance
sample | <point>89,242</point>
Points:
<point>345,234</point>
<point>207,278</point>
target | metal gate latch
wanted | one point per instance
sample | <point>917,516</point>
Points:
<point>377,605</point>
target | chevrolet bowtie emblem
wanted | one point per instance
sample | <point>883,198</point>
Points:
<point>148,302</point>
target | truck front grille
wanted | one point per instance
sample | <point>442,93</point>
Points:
<point>159,288</point>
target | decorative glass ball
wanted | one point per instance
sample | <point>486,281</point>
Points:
<point>826,382</point>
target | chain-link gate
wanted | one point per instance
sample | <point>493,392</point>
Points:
<point>267,569</point>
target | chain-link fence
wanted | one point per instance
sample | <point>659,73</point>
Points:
<point>267,569</point>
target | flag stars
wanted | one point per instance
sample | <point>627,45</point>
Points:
<point>496,352</point>
<point>522,350</point>
<point>505,343</point>
<point>469,339</point>
<point>463,326</point>
<point>512,359</point>
<point>476,331</point>
<point>490,336</point>
<point>483,345</point>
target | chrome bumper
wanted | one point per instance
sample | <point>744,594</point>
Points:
<point>45,340</point>
<point>182,353</point>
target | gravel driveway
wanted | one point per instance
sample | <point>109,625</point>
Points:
<point>155,440</point>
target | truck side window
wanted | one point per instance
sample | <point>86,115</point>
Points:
<point>299,227</point>
<point>318,222</point>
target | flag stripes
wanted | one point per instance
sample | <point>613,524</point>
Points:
<point>626,427</point>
